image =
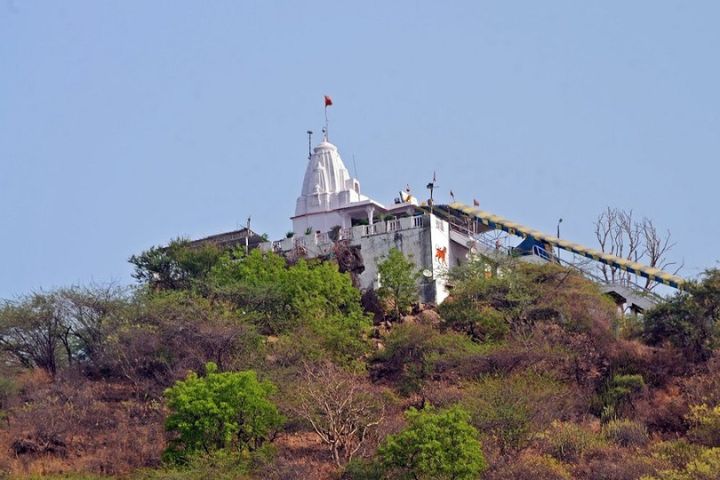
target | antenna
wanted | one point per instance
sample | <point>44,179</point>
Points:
<point>309,134</point>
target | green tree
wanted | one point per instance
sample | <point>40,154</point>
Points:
<point>49,330</point>
<point>310,296</point>
<point>689,320</point>
<point>229,410</point>
<point>398,281</point>
<point>177,266</point>
<point>34,334</point>
<point>435,445</point>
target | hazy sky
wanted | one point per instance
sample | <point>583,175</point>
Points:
<point>124,124</point>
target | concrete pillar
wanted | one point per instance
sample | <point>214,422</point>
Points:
<point>371,214</point>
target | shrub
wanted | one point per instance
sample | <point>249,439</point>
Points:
<point>532,466</point>
<point>689,319</point>
<point>706,466</point>
<point>435,445</point>
<point>363,470</point>
<point>218,465</point>
<point>614,463</point>
<point>626,433</point>
<point>228,410</point>
<point>508,409</point>
<point>677,453</point>
<point>704,425</point>
<point>481,323</point>
<point>7,391</point>
<point>617,395</point>
<point>414,353</point>
<point>568,441</point>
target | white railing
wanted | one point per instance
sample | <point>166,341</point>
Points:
<point>392,225</point>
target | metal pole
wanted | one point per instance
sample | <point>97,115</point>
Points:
<point>247,237</point>
<point>309,132</point>
<point>558,236</point>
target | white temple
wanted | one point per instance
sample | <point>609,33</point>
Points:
<point>331,198</point>
<point>331,209</point>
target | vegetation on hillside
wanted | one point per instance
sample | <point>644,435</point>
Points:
<point>222,364</point>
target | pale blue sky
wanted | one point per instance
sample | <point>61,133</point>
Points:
<point>126,123</point>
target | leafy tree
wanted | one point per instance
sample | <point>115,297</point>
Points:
<point>230,410</point>
<point>398,281</point>
<point>312,296</point>
<point>33,333</point>
<point>435,445</point>
<point>49,330</point>
<point>177,266</point>
<point>689,320</point>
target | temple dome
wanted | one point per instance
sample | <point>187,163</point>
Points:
<point>327,184</point>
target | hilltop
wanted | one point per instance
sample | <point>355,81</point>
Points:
<point>227,364</point>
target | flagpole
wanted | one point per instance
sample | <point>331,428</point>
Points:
<point>326,123</point>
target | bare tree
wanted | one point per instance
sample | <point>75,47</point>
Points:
<point>341,408</point>
<point>657,247</point>
<point>619,234</point>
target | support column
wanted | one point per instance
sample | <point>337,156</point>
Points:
<point>371,214</point>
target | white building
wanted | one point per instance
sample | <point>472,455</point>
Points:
<point>331,209</point>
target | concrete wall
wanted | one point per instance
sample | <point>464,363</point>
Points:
<point>418,238</point>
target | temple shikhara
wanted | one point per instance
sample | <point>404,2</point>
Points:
<point>333,215</point>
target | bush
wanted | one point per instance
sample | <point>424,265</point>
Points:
<point>363,470</point>
<point>7,390</point>
<point>218,465</point>
<point>704,425</point>
<point>626,433</point>
<point>414,353</point>
<point>617,395</point>
<point>435,445</point>
<point>508,409</point>
<point>568,442</point>
<point>532,466</point>
<point>689,319</point>
<point>706,466</point>
<point>677,453</point>
<point>481,323</point>
<point>228,410</point>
